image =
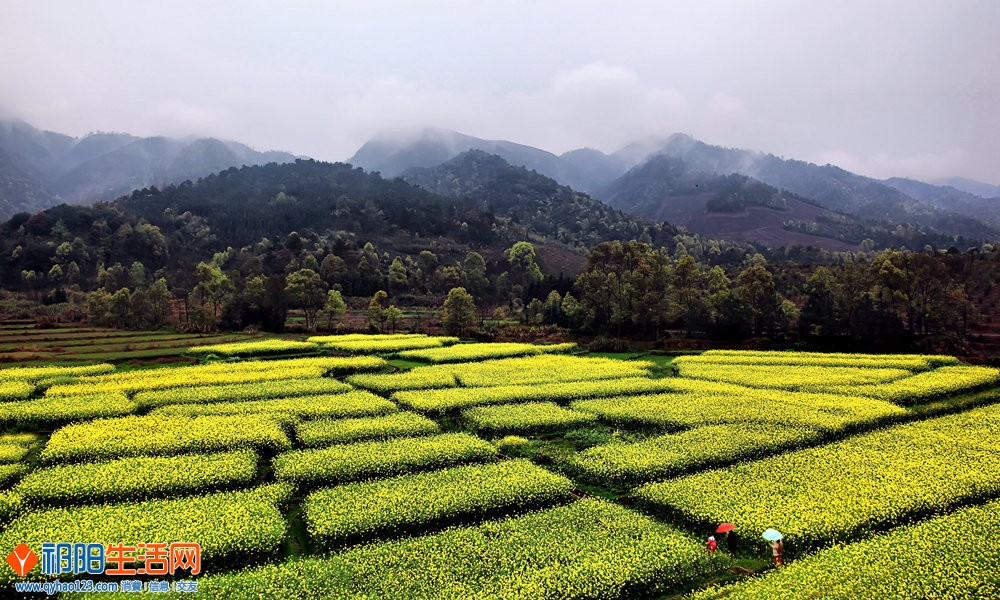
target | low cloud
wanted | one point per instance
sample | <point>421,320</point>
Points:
<point>925,166</point>
<point>597,105</point>
<point>175,117</point>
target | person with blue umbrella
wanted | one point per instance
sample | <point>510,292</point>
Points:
<point>777,547</point>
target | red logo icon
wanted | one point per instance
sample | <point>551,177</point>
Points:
<point>22,560</point>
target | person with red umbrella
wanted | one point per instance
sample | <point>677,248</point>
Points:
<point>725,529</point>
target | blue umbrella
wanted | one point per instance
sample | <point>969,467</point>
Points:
<point>772,535</point>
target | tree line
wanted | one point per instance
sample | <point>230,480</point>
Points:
<point>624,290</point>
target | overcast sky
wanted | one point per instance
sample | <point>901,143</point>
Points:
<point>881,87</point>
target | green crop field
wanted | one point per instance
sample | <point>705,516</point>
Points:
<point>28,345</point>
<point>320,469</point>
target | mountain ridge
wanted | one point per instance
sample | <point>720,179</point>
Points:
<point>832,188</point>
<point>41,168</point>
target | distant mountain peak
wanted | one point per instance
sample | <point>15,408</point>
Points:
<point>970,186</point>
<point>39,168</point>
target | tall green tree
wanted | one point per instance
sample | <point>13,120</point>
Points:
<point>687,294</point>
<point>819,315</point>
<point>334,308</point>
<point>459,311</point>
<point>552,309</point>
<point>376,310</point>
<point>305,289</point>
<point>393,316</point>
<point>427,262</point>
<point>524,270</point>
<point>369,271</point>
<point>398,277</point>
<point>624,287</point>
<point>333,270</point>
<point>755,287</point>
<point>158,299</point>
<point>120,308</point>
<point>214,288</point>
<point>474,277</point>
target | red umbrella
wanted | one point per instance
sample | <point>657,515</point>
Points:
<point>724,528</point>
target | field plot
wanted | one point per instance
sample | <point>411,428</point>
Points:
<point>59,410</point>
<point>249,372</point>
<point>787,377</point>
<point>588,549</point>
<point>14,446</point>
<point>27,345</point>
<point>906,563</point>
<point>525,418</point>
<point>363,460</point>
<point>467,352</point>
<point>349,511</point>
<point>137,478</point>
<point>545,368</point>
<point>389,344</point>
<point>444,400</point>
<point>340,474</point>
<point>262,390</point>
<point>225,523</point>
<point>350,404</point>
<point>836,492</point>
<point>162,435</point>
<point>712,404</point>
<point>324,432</point>
<point>670,454</point>
<point>254,348</point>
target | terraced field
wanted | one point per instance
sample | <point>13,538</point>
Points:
<point>319,470</point>
<point>26,344</point>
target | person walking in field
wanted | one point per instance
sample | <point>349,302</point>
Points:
<point>711,544</point>
<point>773,536</point>
<point>777,548</point>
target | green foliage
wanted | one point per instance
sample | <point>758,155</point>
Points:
<point>348,511</point>
<point>306,290</point>
<point>212,290</point>
<point>915,557</point>
<point>57,410</point>
<point>137,478</point>
<point>525,418</point>
<point>262,390</point>
<point>377,310</point>
<point>334,308</point>
<point>161,435</point>
<point>363,460</point>
<point>459,311</point>
<point>225,524</point>
<point>589,548</point>
<point>622,286</point>
<point>323,432</point>
<point>357,403</point>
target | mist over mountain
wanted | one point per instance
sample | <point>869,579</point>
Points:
<point>731,194</point>
<point>971,186</point>
<point>830,186</point>
<point>39,168</point>
<point>534,201</point>
<point>853,197</point>
<point>586,170</point>
<point>985,209</point>
<point>739,208</point>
